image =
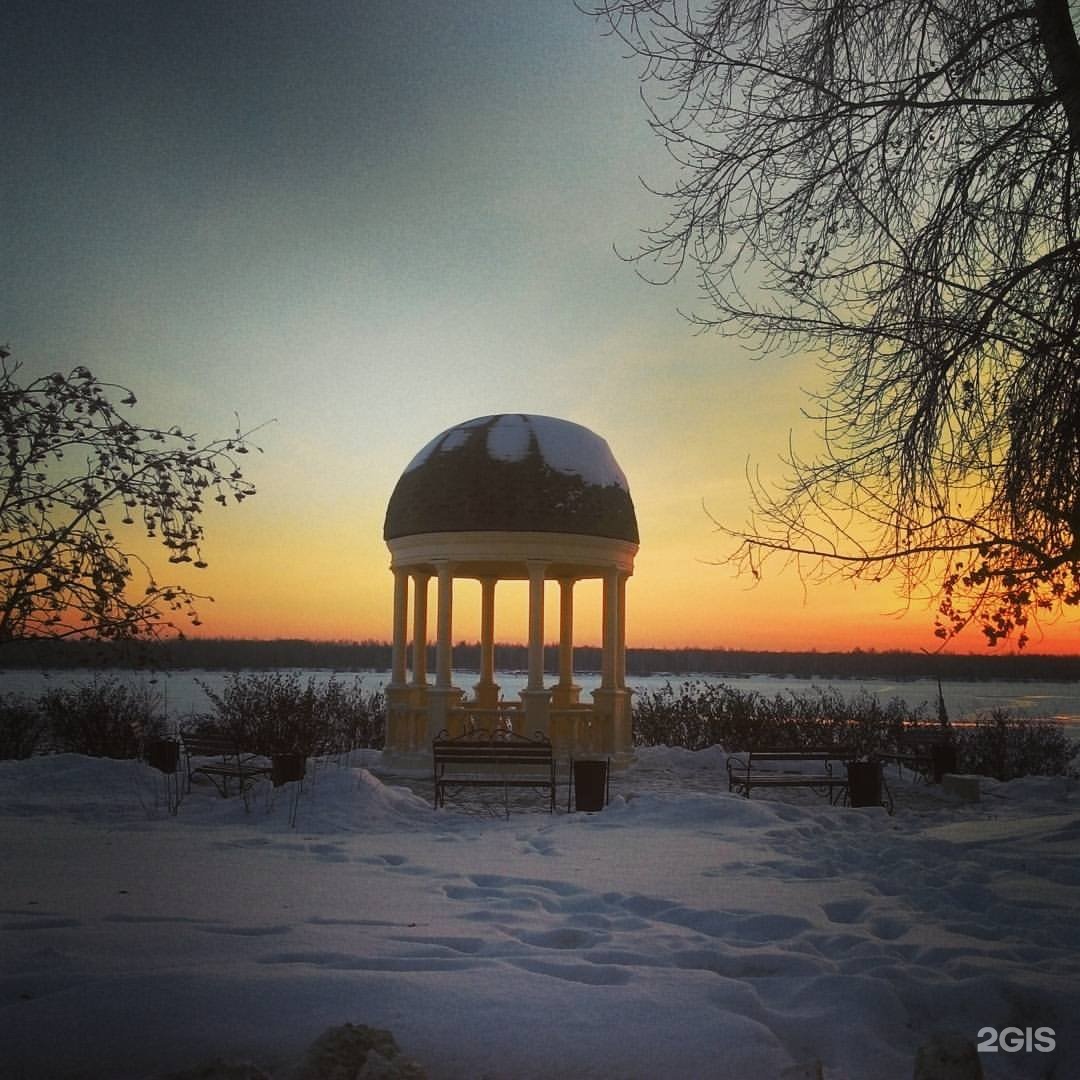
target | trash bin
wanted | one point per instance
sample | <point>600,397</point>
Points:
<point>284,768</point>
<point>590,784</point>
<point>942,760</point>
<point>864,783</point>
<point>163,754</point>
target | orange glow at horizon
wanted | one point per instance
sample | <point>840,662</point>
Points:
<point>323,574</point>
<point>705,607</point>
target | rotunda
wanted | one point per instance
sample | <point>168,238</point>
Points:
<point>509,497</point>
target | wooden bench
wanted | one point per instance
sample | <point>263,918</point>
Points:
<point>231,762</point>
<point>764,768</point>
<point>499,759</point>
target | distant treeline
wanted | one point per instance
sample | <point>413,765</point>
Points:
<point>235,655</point>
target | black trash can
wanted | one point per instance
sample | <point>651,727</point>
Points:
<point>864,783</point>
<point>284,768</point>
<point>163,754</point>
<point>942,760</point>
<point>590,784</point>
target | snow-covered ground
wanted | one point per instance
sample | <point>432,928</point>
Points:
<point>681,932</point>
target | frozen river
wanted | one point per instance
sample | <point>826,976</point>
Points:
<point>182,691</point>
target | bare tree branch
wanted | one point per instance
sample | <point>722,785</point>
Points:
<point>894,185</point>
<point>74,474</point>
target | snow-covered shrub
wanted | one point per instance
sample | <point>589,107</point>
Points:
<point>21,728</point>
<point>1006,746</point>
<point>270,712</point>
<point>697,714</point>
<point>104,717</point>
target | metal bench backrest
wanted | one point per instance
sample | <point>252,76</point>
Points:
<point>484,748</point>
<point>211,744</point>
<point>923,738</point>
<point>835,753</point>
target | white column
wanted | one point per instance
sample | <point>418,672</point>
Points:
<point>566,632</point>
<point>420,598</point>
<point>443,652</point>
<point>487,630</point>
<point>608,674</point>
<point>486,690</point>
<point>620,637</point>
<point>401,621</point>
<point>536,624</point>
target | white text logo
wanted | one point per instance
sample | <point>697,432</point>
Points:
<point>1014,1039</point>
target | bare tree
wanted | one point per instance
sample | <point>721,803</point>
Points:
<point>893,185</point>
<point>74,475</point>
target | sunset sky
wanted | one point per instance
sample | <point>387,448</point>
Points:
<point>368,221</point>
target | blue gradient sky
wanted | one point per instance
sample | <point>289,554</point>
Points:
<point>370,221</point>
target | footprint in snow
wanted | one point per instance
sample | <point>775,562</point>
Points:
<point>589,974</point>
<point>845,911</point>
<point>36,922</point>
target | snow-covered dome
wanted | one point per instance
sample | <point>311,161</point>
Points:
<point>513,473</point>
